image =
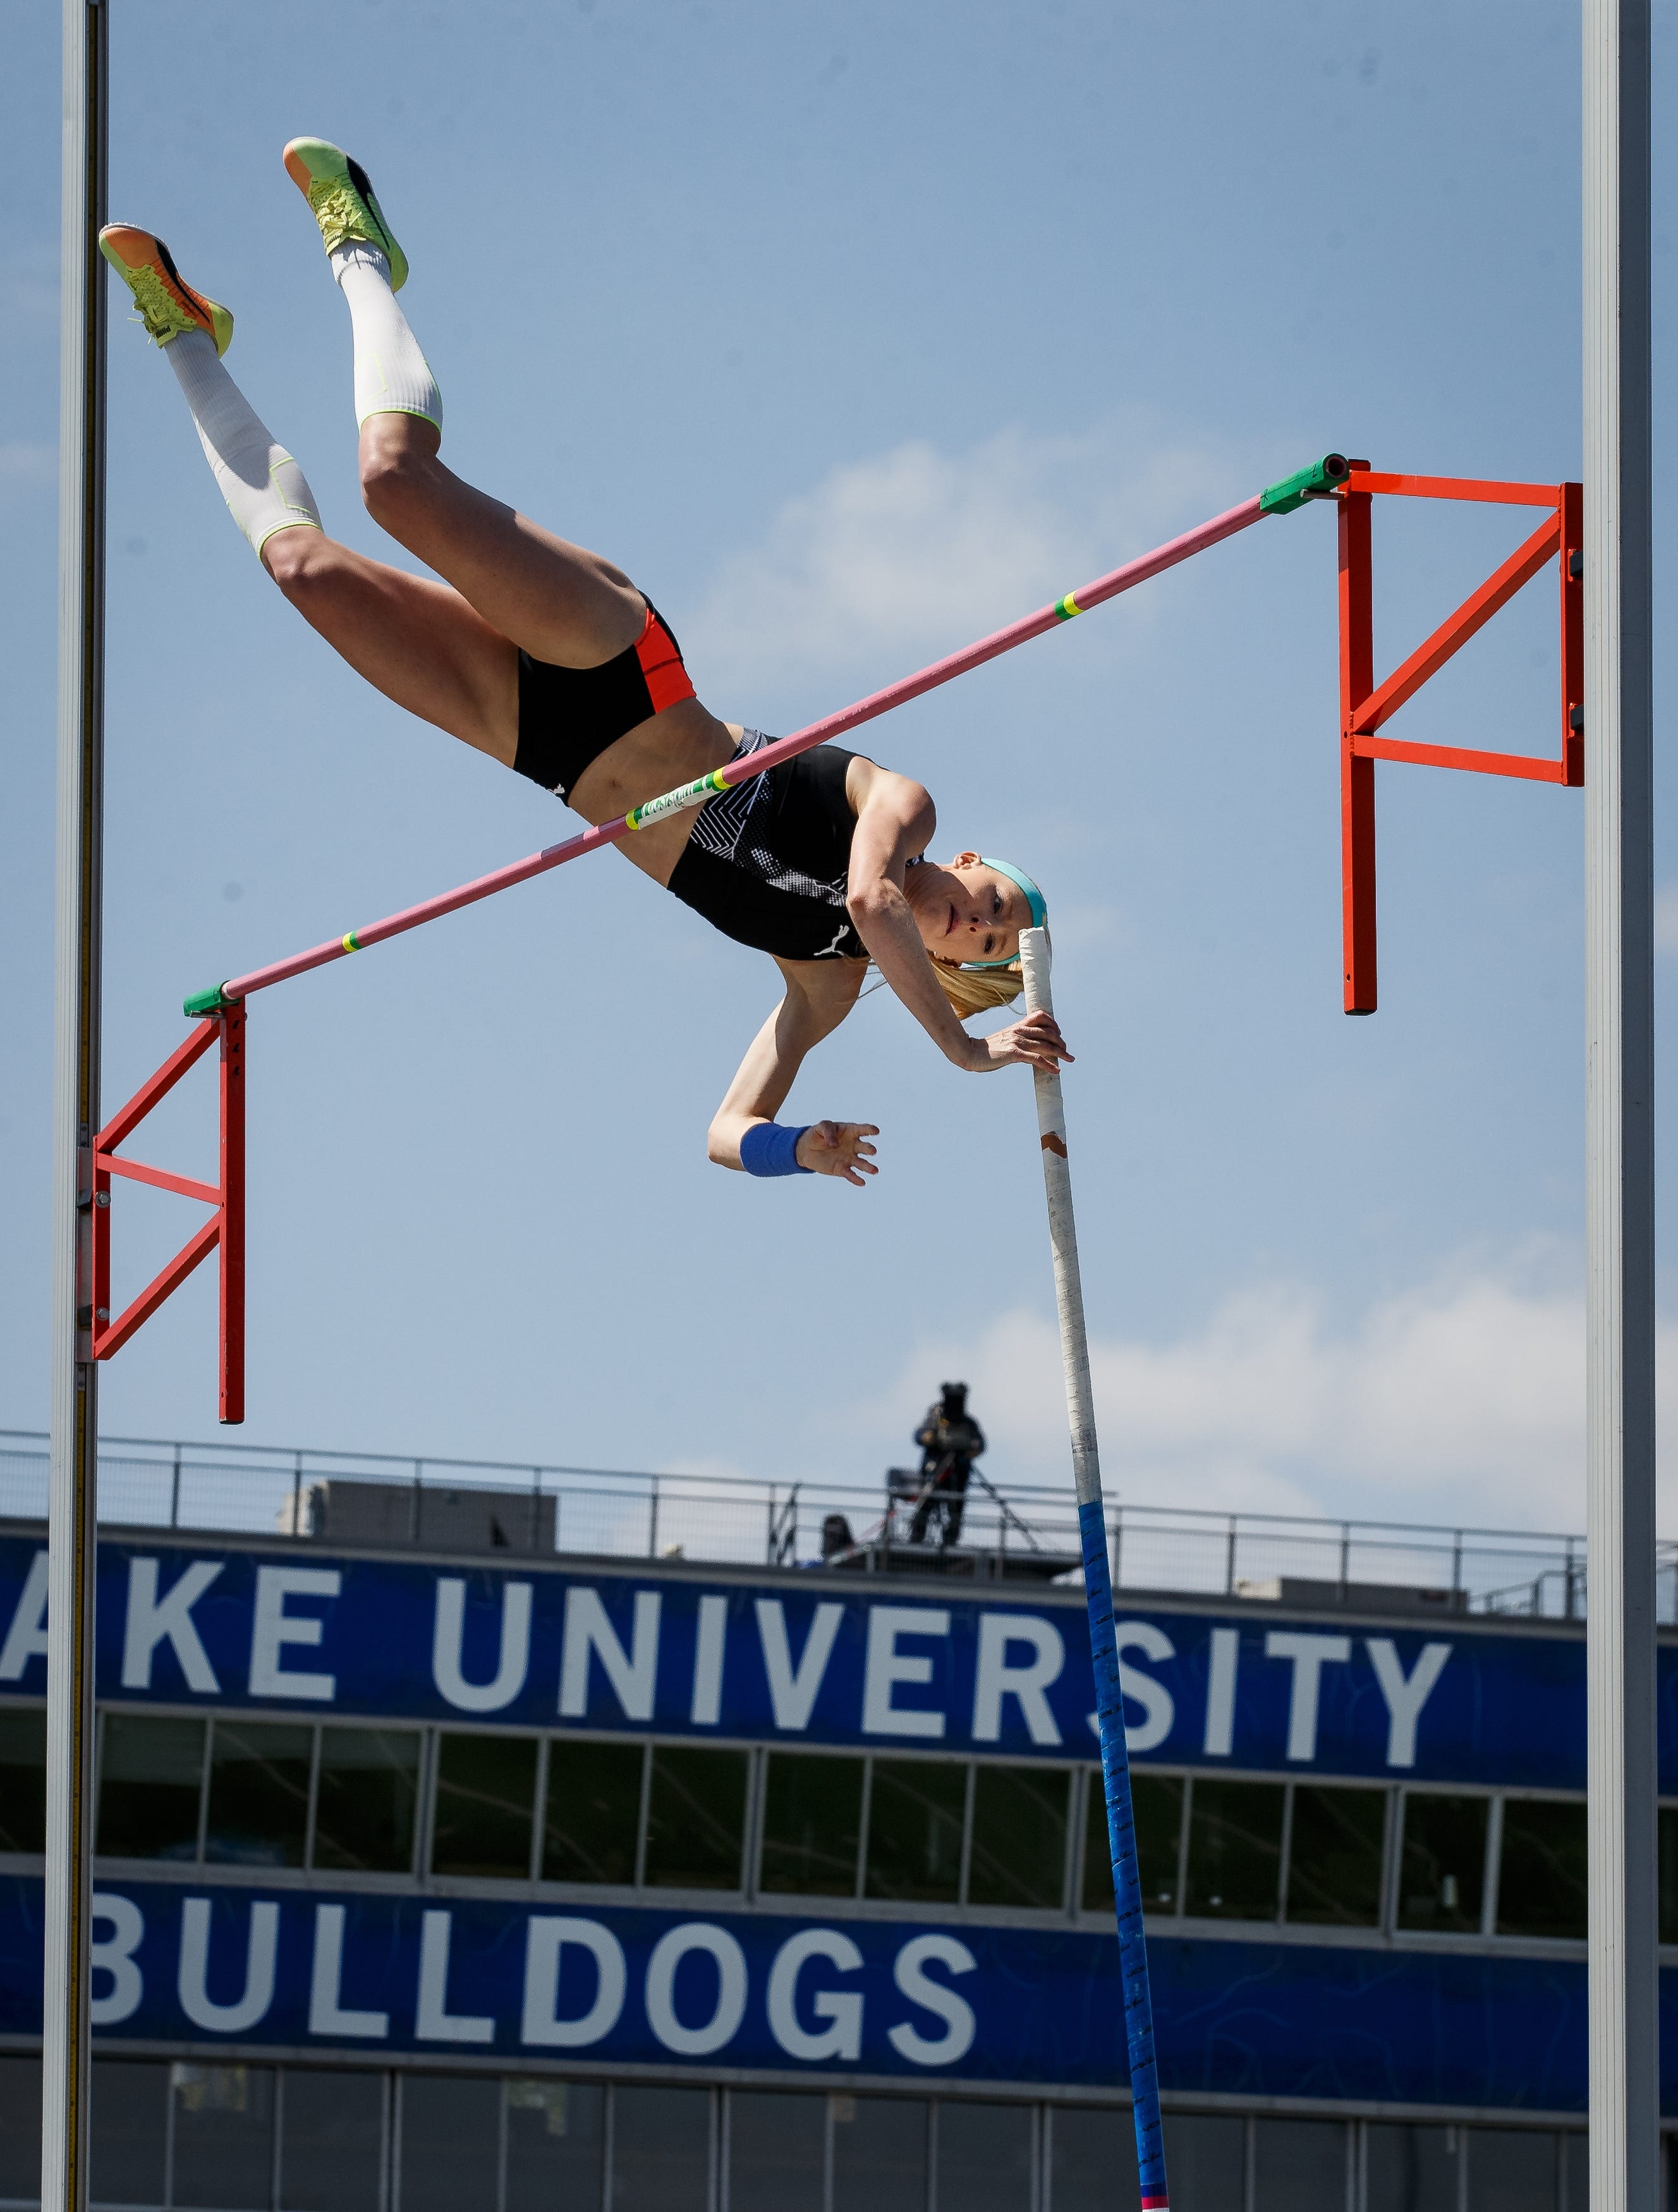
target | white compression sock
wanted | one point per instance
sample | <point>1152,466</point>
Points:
<point>263,486</point>
<point>392,377</point>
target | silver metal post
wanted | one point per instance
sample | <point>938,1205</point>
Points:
<point>1620,1163</point>
<point>72,1495</point>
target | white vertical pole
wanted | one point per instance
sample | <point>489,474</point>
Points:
<point>75,1410</point>
<point>1154,2193</point>
<point>1620,1163</point>
<point>1034,960</point>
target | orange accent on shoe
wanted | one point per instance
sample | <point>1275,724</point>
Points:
<point>130,249</point>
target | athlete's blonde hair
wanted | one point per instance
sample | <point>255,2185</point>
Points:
<point>974,990</point>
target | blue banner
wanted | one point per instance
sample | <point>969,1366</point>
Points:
<point>821,1658</point>
<point>800,1995</point>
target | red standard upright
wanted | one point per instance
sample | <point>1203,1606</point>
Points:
<point>225,1229</point>
<point>1365,706</point>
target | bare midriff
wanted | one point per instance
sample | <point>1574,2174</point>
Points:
<point>684,742</point>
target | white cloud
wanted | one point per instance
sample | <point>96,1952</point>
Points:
<point>1460,1401</point>
<point>918,550</point>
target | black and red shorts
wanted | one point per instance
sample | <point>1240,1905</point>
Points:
<point>568,716</point>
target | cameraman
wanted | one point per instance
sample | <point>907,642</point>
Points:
<point>950,1441</point>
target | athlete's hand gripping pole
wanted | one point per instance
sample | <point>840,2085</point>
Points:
<point>1098,1589</point>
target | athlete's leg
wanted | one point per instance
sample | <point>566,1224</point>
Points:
<point>417,640</point>
<point>265,489</point>
<point>558,601</point>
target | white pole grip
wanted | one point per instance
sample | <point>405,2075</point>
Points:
<point>1062,1233</point>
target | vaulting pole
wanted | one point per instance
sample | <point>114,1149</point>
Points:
<point>74,1401</point>
<point>1098,1591</point>
<point>1619,1157</point>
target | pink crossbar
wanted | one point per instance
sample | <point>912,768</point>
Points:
<point>832,726</point>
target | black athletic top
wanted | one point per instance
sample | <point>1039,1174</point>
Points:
<point>768,862</point>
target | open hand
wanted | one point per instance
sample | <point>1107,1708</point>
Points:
<point>838,1148</point>
<point>1034,1043</point>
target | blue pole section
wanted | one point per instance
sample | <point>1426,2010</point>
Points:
<point>1127,1876</point>
<point>1098,1588</point>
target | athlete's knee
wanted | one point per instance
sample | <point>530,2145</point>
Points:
<point>389,481</point>
<point>298,559</point>
<point>395,463</point>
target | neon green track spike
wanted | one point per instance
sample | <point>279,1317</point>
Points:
<point>340,195</point>
<point>168,306</point>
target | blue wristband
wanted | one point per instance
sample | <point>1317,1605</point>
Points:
<point>767,1149</point>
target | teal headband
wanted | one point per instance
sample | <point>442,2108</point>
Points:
<point>1034,899</point>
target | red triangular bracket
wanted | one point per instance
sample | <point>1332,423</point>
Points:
<point>224,1231</point>
<point>1365,706</point>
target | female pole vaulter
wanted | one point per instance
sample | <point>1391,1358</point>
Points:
<point>547,657</point>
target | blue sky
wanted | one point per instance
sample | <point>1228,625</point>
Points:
<point>853,331</point>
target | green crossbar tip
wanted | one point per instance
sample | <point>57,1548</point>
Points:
<point>206,1002</point>
<point>1293,491</point>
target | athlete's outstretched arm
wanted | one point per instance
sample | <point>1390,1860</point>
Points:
<point>819,995</point>
<point>895,822</point>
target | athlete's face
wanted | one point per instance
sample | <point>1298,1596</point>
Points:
<point>966,911</point>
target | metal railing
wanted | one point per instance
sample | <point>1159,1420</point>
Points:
<point>262,1491</point>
